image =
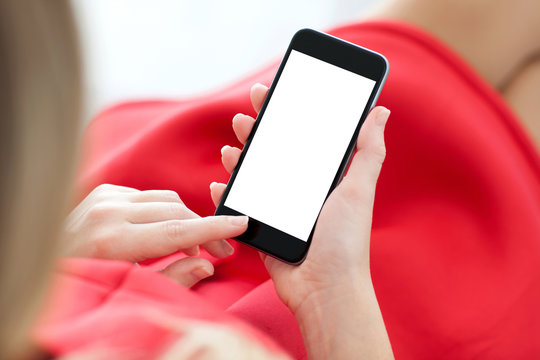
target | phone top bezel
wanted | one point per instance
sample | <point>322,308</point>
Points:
<point>337,52</point>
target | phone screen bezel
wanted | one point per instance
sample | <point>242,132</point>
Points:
<point>337,52</point>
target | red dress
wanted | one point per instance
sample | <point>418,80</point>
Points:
<point>456,232</point>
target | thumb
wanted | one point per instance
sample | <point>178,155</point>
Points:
<point>361,179</point>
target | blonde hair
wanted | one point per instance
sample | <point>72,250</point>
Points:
<point>39,102</point>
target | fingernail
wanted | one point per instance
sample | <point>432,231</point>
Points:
<point>382,116</point>
<point>238,220</point>
<point>193,251</point>
<point>223,149</point>
<point>201,272</point>
<point>229,250</point>
<point>237,116</point>
<point>213,183</point>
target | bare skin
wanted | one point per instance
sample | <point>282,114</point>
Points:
<point>331,293</point>
<point>499,38</point>
<point>523,94</point>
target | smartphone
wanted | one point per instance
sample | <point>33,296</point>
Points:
<point>302,141</point>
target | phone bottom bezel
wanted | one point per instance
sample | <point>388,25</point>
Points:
<point>270,240</point>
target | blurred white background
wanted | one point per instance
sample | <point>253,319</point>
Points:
<point>178,48</point>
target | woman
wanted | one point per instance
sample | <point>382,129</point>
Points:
<point>40,99</point>
<point>454,248</point>
<point>452,279</point>
<point>40,75</point>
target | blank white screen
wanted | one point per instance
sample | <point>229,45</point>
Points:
<point>299,144</point>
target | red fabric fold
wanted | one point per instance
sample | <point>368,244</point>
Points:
<point>456,229</point>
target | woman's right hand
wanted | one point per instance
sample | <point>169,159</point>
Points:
<point>332,287</point>
<point>122,223</point>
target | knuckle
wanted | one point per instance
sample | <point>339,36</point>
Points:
<point>351,192</point>
<point>170,195</point>
<point>101,211</point>
<point>177,210</point>
<point>355,194</point>
<point>100,247</point>
<point>104,188</point>
<point>377,152</point>
<point>216,224</point>
<point>174,229</point>
<point>373,150</point>
<point>102,192</point>
<point>101,243</point>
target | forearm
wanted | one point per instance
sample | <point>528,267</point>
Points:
<point>344,323</point>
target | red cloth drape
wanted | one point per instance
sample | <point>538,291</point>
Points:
<point>456,233</point>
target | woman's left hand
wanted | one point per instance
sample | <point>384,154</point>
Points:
<point>121,223</point>
<point>331,293</point>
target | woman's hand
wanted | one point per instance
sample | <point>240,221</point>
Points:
<point>116,222</point>
<point>331,291</point>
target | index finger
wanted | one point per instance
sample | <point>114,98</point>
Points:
<point>167,237</point>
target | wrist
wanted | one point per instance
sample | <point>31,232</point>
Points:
<point>332,322</point>
<point>335,294</point>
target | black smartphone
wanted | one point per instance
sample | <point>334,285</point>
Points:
<point>302,141</point>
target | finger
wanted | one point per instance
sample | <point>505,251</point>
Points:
<point>105,192</point>
<point>229,157</point>
<point>257,95</point>
<point>242,125</point>
<point>118,188</point>
<point>219,248</point>
<point>274,266</point>
<point>155,196</point>
<point>216,192</point>
<point>111,189</point>
<point>189,271</point>
<point>366,165</point>
<point>147,212</point>
<point>163,238</point>
<point>101,193</point>
<point>192,251</point>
